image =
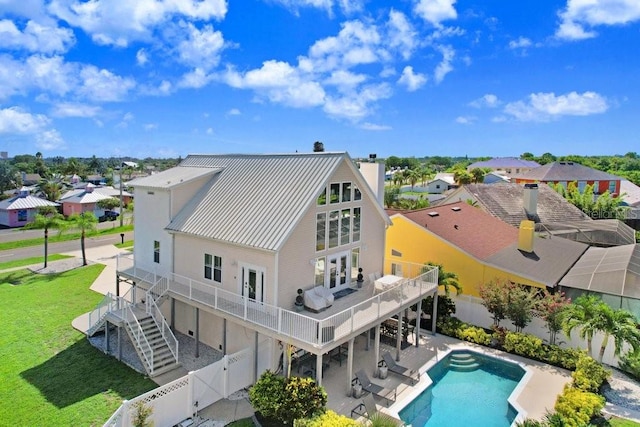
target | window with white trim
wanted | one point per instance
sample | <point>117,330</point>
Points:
<point>156,252</point>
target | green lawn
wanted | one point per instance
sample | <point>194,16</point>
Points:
<point>50,374</point>
<point>31,261</point>
<point>55,237</point>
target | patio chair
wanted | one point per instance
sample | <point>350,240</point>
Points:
<point>394,367</point>
<point>368,409</point>
<point>388,394</point>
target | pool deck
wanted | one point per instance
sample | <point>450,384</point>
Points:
<point>535,395</point>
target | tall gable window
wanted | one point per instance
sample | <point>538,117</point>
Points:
<point>156,252</point>
<point>338,227</point>
<point>612,187</point>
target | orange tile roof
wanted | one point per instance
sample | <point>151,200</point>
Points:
<point>467,227</point>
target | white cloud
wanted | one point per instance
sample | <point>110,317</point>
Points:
<point>548,106</point>
<point>49,140</point>
<point>103,86</point>
<point>209,131</point>
<point>580,16</point>
<point>142,57</point>
<point>488,100</point>
<point>444,67</point>
<point>357,105</point>
<point>35,37</point>
<point>233,112</point>
<point>115,22</point>
<point>466,120</point>
<point>150,126</point>
<point>401,34</point>
<point>200,48</point>
<point>17,121</point>
<point>195,79</point>
<point>436,11</point>
<point>70,109</point>
<point>413,81</point>
<point>345,80</point>
<point>520,43</point>
<point>347,6</point>
<point>374,127</point>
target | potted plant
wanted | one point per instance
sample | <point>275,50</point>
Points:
<point>299,304</point>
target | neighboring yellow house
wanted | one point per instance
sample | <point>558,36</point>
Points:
<point>478,247</point>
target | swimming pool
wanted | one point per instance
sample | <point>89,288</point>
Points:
<point>468,389</point>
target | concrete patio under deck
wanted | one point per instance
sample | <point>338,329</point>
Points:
<point>535,395</point>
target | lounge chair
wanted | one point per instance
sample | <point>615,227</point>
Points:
<point>368,409</point>
<point>411,374</point>
<point>388,394</point>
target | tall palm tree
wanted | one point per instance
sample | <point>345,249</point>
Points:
<point>53,187</point>
<point>446,279</point>
<point>584,314</point>
<point>46,218</point>
<point>86,221</point>
<point>622,326</point>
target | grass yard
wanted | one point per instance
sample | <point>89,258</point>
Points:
<point>51,375</point>
<point>64,237</point>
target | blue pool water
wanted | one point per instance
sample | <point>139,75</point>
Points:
<point>469,389</point>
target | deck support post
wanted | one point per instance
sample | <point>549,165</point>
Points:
<point>418,321</point>
<point>120,343</point>
<point>197,332</point>
<point>173,313</point>
<point>106,336</point>
<point>398,336</point>
<point>350,364</point>
<point>376,348</point>
<point>319,369</point>
<point>224,337</point>
<point>434,313</point>
<point>255,358</point>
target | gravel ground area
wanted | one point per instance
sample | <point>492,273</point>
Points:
<point>623,391</point>
<point>59,266</point>
<point>186,345</point>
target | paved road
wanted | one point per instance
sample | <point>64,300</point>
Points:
<point>56,248</point>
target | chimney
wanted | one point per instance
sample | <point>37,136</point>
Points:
<point>530,200</point>
<point>373,173</point>
<point>525,236</point>
<point>89,188</point>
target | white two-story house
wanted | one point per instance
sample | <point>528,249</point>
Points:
<point>225,243</point>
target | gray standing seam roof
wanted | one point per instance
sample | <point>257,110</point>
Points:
<point>246,201</point>
<point>173,177</point>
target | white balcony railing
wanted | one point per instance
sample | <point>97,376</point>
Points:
<point>298,326</point>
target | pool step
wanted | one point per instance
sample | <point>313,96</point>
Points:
<point>463,362</point>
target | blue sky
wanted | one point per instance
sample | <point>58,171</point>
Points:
<point>166,78</point>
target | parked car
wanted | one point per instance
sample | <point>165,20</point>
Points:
<point>108,216</point>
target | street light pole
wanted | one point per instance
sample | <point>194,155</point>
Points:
<point>121,213</point>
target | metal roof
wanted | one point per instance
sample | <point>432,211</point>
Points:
<point>82,196</point>
<point>614,271</point>
<point>28,202</point>
<point>257,200</point>
<point>173,177</point>
<point>504,162</point>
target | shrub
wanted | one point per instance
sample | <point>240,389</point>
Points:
<point>499,335</point>
<point>589,374</point>
<point>450,326</point>
<point>141,414</point>
<point>524,345</point>
<point>381,420</point>
<point>563,357</point>
<point>267,396</point>
<point>327,419</point>
<point>475,335</point>
<point>577,407</point>
<point>304,399</point>
<point>630,363</point>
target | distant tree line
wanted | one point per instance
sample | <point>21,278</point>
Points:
<point>58,167</point>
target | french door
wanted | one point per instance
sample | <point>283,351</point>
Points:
<point>252,282</point>
<point>337,273</point>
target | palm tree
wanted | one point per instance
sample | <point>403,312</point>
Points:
<point>461,177</point>
<point>477,175</point>
<point>86,221</point>
<point>47,218</point>
<point>446,279</point>
<point>52,187</point>
<point>584,314</point>
<point>622,326</point>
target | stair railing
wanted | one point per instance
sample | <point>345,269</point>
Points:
<point>163,326</point>
<point>139,338</point>
<point>106,305</point>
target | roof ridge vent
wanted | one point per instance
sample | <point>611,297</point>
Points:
<point>433,213</point>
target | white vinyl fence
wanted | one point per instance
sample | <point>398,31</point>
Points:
<point>469,309</point>
<point>182,398</point>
